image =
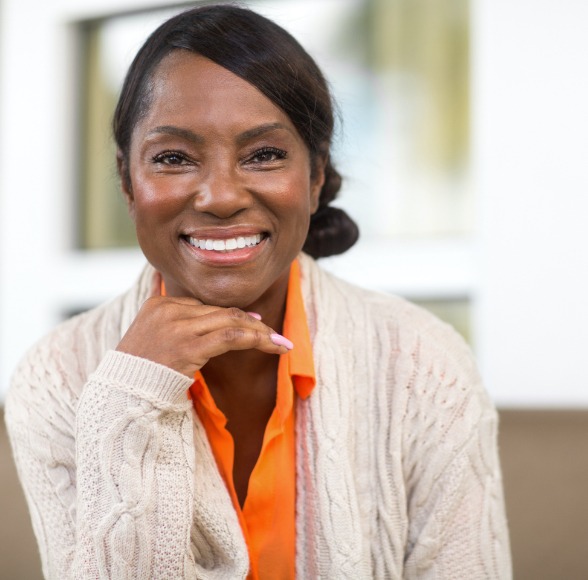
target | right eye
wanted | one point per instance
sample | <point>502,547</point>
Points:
<point>172,158</point>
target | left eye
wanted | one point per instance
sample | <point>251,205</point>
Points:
<point>267,155</point>
<point>170,158</point>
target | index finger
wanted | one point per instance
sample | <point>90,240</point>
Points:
<point>157,290</point>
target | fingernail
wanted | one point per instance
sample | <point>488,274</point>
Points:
<point>255,315</point>
<point>281,341</point>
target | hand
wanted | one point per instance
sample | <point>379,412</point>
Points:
<point>184,334</point>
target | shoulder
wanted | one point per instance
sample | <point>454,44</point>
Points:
<point>405,326</point>
<point>414,363</point>
<point>58,365</point>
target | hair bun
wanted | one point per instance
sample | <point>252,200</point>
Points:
<point>331,232</point>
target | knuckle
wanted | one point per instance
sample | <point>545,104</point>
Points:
<point>232,335</point>
<point>177,332</point>
<point>150,303</point>
<point>235,313</point>
<point>151,308</point>
<point>159,311</point>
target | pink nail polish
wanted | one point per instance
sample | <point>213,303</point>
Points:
<point>281,341</point>
<point>255,315</point>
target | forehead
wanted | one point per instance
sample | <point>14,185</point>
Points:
<point>189,88</point>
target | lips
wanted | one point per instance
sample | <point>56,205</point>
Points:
<point>225,244</point>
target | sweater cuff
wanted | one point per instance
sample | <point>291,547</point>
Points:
<point>136,374</point>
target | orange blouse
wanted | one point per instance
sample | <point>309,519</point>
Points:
<point>268,517</point>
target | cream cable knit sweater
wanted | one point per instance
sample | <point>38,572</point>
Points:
<point>397,469</point>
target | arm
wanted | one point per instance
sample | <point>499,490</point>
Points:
<point>96,479</point>
<point>135,469</point>
<point>107,461</point>
<point>457,523</point>
<point>458,526</point>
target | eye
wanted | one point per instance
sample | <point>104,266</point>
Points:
<point>266,155</point>
<point>170,158</point>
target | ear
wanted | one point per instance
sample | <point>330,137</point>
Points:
<point>125,182</point>
<point>317,180</point>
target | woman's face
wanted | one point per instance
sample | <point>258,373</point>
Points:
<point>220,185</point>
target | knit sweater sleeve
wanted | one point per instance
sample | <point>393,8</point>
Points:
<point>455,504</point>
<point>106,462</point>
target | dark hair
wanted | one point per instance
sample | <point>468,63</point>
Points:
<point>265,55</point>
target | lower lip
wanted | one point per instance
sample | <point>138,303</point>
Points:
<point>230,258</point>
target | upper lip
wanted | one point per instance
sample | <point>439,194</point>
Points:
<point>223,233</point>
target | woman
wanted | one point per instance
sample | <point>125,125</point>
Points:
<point>240,413</point>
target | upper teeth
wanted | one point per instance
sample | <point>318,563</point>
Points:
<point>229,244</point>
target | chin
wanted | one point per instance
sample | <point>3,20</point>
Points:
<point>226,298</point>
<point>229,288</point>
<point>224,302</point>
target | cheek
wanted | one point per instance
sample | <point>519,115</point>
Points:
<point>156,203</point>
<point>290,195</point>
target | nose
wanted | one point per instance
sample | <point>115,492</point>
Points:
<point>222,193</point>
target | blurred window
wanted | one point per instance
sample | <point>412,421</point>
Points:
<point>399,70</point>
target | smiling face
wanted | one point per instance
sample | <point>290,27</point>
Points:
<point>221,188</point>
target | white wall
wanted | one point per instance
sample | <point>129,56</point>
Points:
<point>531,171</point>
<point>526,268</point>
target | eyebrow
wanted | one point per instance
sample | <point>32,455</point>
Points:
<point>177,132</point>
<point>261,130</point>
<point>199,139</point>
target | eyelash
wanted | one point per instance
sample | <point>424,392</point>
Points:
<point>165,157</point>
<point>279,155</point>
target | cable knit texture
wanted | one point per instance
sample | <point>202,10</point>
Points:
<point>397,467</point>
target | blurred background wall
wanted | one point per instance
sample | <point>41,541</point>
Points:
<point>464,144</point>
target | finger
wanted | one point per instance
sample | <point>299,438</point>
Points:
<point>180,301</point>
<point>281,340</point>
<point>189,301</point>
<point>202,318</point>
<point>230,338</point>
<point>211,319</point>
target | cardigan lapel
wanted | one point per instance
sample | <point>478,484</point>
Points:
<point>330,541</point>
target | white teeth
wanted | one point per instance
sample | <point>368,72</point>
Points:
<point>225,245</point>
